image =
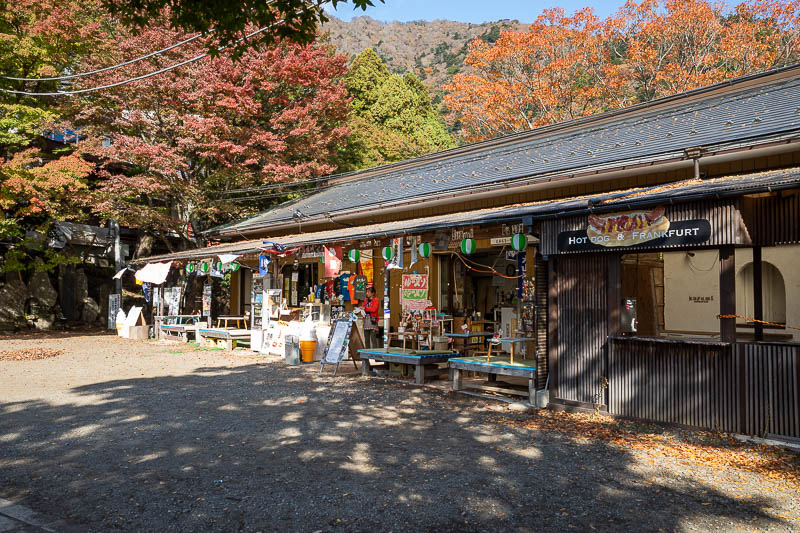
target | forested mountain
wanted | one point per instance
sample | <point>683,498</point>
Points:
<point>434,50</point>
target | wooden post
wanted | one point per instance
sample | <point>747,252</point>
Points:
<point>727,290</point>
<point>456,379</point>
<point>552,325</point>
<point>758,294</point>
<point>419,374</point>
<point>365,370</point>
<point>614,296</point>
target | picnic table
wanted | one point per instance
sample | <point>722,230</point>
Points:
<point>231,336</point>
<point>501,366</point>
<point>467,336</point>
<point>238,321</point>
<point>425,362</point>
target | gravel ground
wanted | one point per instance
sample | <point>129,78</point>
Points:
<point>116,435</point>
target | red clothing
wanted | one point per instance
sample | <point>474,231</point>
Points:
<point>371,307</point>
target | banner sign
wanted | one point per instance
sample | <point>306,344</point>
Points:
<point>207,299</point>
<point>114,301</point>
<point>333,261</point>
<point>633,229</point>
<point>414,292</point>
<point>263,265</point>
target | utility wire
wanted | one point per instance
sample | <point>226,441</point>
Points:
<point>145,76</point>
<point>119,65</point>
<point>112,67</point>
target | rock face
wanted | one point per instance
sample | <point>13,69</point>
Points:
<point>91,311</point>
<point>12,305</point>
<point>41,292</point>
<point>81,286</point>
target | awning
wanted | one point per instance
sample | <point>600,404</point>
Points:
<point>155,273</point>
<point>119,274</point>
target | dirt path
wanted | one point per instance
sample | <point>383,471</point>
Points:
<point>115,435</point>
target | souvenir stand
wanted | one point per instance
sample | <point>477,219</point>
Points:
<point>510,335</point>
<point>229,330</point>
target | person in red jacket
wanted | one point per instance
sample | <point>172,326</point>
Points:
<point>371,305</point>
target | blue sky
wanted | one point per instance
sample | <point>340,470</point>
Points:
<point>475,11</point>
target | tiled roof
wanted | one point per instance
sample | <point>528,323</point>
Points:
<point>742,113</point>
<point>676,192</point>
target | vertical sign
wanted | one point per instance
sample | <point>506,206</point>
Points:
<point>207,299</point>
<point>414,292</point>
<point>175,301</point>
<point>113,307</point>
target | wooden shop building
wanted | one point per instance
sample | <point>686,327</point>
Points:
<point>659,277</point>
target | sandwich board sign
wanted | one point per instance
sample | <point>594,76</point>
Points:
<point>343,339</point>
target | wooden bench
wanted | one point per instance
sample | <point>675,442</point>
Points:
<point>498,366</point>
<point>178,331</point>
<point>424,365</point>
<point>229,336</point>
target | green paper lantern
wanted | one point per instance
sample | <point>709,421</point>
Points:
<point>205,267</point>
<point>388,253</point>
<point>218,266</point>
<point>354,255</point>
<point>235,267</point>
<point>190,268</point>
<point>424,250</point>
<point>468,246</point>
<point>519,242</point>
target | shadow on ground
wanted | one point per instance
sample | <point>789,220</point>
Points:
<point>271,448</point>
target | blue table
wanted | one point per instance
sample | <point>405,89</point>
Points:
<point>425,365</point>
<point>467,336</point>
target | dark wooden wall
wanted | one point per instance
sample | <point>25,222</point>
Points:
<point>581,284</point>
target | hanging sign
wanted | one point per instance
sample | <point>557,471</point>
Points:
<point>175,301</point>
<point>414,292</point>
<point>634,229</point>
<point>207,299</point>
<point>333,261</point>
<point>424,250</point>
<point>367,265</point>
<point>263,265</point>
<point>468,246</point>
<point>354,255</point>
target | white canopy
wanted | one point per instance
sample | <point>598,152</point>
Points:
<point>155,273</point>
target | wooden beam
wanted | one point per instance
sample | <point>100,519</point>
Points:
<point>552,325</point>
<point>727,290</point>
<point>758,294</point>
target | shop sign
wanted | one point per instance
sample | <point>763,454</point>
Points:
<point>310,252</point>
<point>113,307</point>
<point>632,229</point>
<point>414,292</point>
<point>458,235</point>
<point>506,241</point>
<point>207,299</point>
<point>509,230</point>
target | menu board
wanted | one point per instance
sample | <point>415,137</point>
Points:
<point>337,342</point>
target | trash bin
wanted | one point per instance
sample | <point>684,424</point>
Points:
<point>291,354</point>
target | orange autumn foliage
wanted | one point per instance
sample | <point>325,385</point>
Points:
<point>566,67</point>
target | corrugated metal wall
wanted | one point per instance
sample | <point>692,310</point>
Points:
<point>679,382</point>
<point>772,389</point>
<point>727,226</point>
<point>773,220</point>
<point>752,388</point>
<point>582,328</point>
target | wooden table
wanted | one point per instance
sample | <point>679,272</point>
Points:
<point>424,365</point>
<point>467,336</point>
<point>179,331</point>
<point>230,336</point>
<point>512,341</point>
<point>498,366</point>
<point>238,321</point>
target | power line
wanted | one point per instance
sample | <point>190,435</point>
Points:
<point>145,76</point>
<point>112,67</point>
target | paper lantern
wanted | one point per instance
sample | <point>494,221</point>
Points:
<point>218,266</point>
<point>190,268</point>
<point>519,242</point>
<point>424,250</point>
<point>205,267</point>
<point>388,253</point>
<point>468,246</point>
<point>354,255</point>
<point>235,267</point>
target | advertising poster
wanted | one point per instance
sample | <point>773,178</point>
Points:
<point>414,292</point>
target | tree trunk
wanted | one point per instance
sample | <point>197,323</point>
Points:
<point>144,243</point>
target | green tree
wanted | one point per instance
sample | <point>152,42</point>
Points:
<point>392,116</point>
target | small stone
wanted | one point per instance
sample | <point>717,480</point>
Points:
<point>520,407</point>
